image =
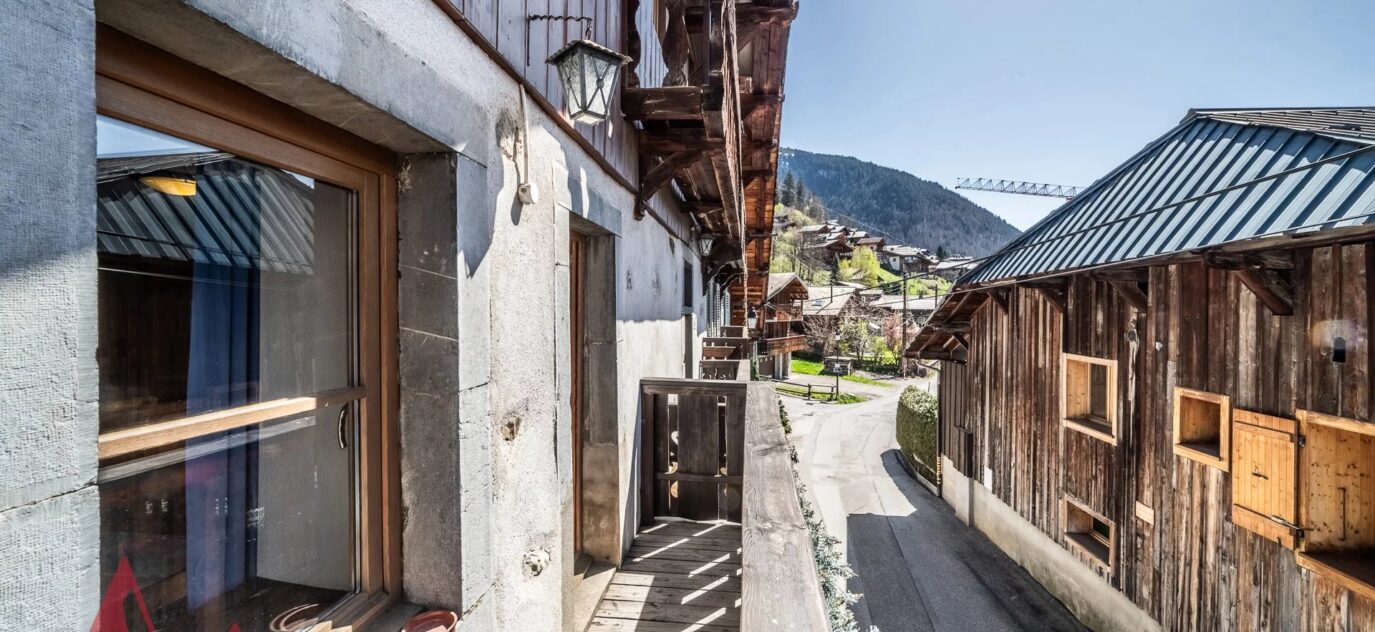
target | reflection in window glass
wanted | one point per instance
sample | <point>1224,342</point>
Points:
<point>241,527</point>
<point>223,282</point>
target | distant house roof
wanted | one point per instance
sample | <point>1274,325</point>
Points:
<point>894,302</point>
<point>1220,176</point>
<point>786,287</point>
<point>826,300</point>
<point>954,263</point>
<point>871,242</point>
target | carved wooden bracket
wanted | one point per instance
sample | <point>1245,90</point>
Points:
<point>659,177</point>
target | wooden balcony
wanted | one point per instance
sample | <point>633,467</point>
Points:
<point>716,348</point>
<point>738,370</point>
<point>781,336</point>
<point>722,544</point>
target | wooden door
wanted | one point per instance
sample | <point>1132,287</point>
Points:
<point>577,264</point>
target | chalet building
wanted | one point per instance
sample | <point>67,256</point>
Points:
<point>783,327</point>
<point>905,259</point>
<point>323,312</point>
<point>1158,399</point>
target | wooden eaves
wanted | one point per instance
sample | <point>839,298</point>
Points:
<point>712,128</point>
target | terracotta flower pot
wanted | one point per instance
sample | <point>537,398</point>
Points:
<point>432,621</point>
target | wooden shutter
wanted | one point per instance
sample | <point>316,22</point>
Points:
<point>1264,476</point>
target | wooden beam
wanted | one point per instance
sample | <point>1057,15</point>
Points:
<point>999,299</point>
<point>1268,275</point>
<point>954,326</point>
<point>658,177</point>
<point>1274,288</point>
<point>1053,291</point>
<point>672,141</point>
<point>669,103</point>
<point>961,340</point>
<point>957,357</point>
<point>1136,275</point>
<point>1132,293</point>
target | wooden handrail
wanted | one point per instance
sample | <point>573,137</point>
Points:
<point>780,589</point>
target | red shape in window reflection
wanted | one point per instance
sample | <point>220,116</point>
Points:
<point>111,616</point>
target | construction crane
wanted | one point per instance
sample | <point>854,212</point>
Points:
<point>1019,188</point>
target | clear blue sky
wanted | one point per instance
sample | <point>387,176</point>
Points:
<point>1057,92</point>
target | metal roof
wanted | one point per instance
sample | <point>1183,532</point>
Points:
<point>1220,176</point>
<point>242,214</point>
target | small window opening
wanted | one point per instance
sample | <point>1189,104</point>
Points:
<point>1202,427</point>
<point>1090,533</point>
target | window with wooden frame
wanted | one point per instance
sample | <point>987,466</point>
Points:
<point>1306,484</point>
<point>248,466</point>
<point>1088,396</point>
<point>1089,532</point>
<point>1202,427</point>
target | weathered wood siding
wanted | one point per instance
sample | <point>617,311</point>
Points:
<point>1190,569</point>
<point>504,23</point>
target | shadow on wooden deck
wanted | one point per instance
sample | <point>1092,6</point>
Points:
<point>680,576</point>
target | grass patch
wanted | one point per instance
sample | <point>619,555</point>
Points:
<point>863,379</point>
<point>806,367</point>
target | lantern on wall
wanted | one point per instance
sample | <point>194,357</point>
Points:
<point>705,242</point>
<point>588,72</point>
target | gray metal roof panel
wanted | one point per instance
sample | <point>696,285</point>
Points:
<point>1209,181</point>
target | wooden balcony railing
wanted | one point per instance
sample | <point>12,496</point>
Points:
<point>720,348</point>
<point>716,451</point>
<point>725,370</point>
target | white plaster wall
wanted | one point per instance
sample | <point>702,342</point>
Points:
<point>402,74</point>
<point>1093,601</point>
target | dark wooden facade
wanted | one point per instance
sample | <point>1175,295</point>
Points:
<point>1179,556</point>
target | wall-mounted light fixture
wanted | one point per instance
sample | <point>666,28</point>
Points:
<point>705,242</point>
<point>587,71</point>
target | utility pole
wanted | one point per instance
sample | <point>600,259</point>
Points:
<point>902,348</point>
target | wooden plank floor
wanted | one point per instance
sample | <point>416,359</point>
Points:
<point>679,577</point>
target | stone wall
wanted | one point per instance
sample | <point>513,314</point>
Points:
<point>48,503</point>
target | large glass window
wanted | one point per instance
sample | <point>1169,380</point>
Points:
<point>227,357</point>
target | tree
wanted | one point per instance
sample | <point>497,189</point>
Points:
<point>941,253</point>
<point>788,196</point>
<point>862,267</point>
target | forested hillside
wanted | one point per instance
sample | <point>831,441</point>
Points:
<point>917,212</point>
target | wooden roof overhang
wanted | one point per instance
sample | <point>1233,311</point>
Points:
<point>943,336</point>
<point>1263,265</point>
<point>712,128</point>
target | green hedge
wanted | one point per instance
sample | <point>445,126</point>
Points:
<point>917,414</point>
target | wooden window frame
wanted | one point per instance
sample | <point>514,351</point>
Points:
<point>1338,565</point>
<point>1079,425</point>
<point>1222,460</point>
<point>148,87</point>
<point>1081,539</point>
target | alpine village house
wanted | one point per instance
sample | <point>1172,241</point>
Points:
<point>1158,400</point>
<point>320,314</point>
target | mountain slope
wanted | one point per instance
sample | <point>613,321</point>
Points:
<point>917,212</point>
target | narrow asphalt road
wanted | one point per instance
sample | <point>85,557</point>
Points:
<point>918,567</point>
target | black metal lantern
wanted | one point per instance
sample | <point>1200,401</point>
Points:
<point>588,72</point>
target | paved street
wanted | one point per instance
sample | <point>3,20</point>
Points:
<point>919,568</point>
